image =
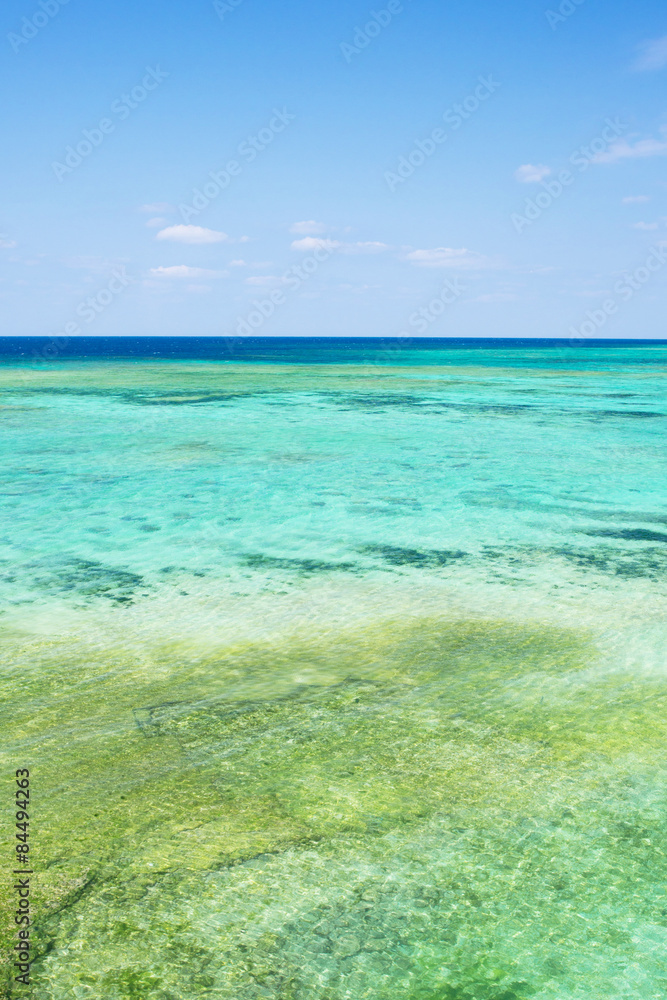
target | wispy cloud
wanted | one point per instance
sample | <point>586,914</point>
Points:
<point>255,265</point>
<point>180,271</point>
<point>156,222</point>
<point>159,208</point>
<point>530,174</point>
<point>261,280</point>
<point>359,289</point>
<point>370,246</point>
<point>645,226</point>
<point>652,55</point>
<point>447,257</point>
<point>191,234</point>
<point>626,149</point>
<point>309,243</point>
<point>308,228</point>
<point>5,243</point>
<point>636,199</point>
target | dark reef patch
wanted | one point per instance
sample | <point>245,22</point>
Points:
<point>430,404</point>
<point>641,414</point>
<point>648,562</point>
<point>627,534</point>
<point>85,578</point>
<point>382,400</point>
<point>143,397</point>
<point>179,399</point>
<point>397,556</point>
<point>296,565</point>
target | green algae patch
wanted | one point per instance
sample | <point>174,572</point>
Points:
<point>179,793</point>
<point>145,383</point>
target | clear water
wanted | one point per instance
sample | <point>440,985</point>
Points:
<point>339,668</point>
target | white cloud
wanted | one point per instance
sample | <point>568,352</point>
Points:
<point>308,228</point>
<point>244,239</point>
<point>314,243</point>
<point>653,55</point>
<point>256,265</point>
<point>310,243</point>
<point>156,222</point>
<point>636,199</point>
<point>530,174</point>
<point>626,150</point>
<point>645,225</point>
<point>183,271</point>
<point>191,234</point>
<point>7,244</point>
<point>157,209</point>
<point>446,257</point>
<point>368,247</point>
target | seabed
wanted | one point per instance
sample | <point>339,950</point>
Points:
<point>340,681</point>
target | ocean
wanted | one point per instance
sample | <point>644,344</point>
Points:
<point>338,666</point>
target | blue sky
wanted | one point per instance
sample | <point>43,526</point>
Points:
<point>392,169</point>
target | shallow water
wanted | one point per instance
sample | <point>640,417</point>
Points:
<point>340,673</point>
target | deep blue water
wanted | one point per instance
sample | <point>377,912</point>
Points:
<point>339,350</point>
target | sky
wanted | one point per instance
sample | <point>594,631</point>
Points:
<point>408,168</point>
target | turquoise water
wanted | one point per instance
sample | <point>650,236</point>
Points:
<point>340,669</point>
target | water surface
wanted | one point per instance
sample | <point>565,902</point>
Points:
<point>339,667</point>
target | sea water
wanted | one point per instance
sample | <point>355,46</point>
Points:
<point>339,667</point>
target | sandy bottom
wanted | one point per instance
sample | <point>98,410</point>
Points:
<point>341,683</point>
